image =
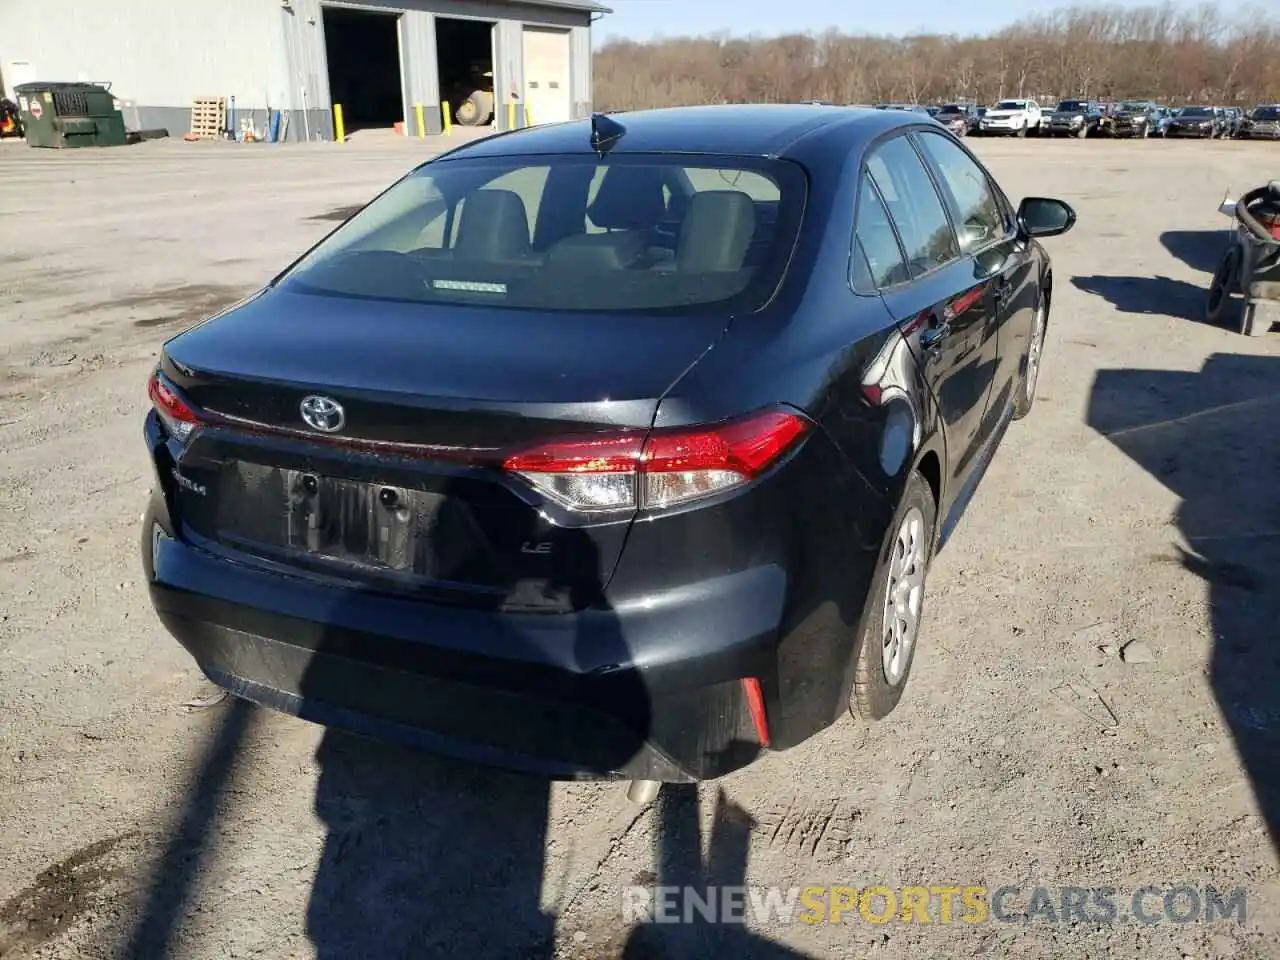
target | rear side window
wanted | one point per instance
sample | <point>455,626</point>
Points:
<point>914,205</point>
<point>571,233</point>
<point>883,265</point>
<point>981,219</point>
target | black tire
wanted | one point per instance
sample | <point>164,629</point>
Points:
<point>1222,286</point>
<point>1026,395</point>
<point>873,696</point>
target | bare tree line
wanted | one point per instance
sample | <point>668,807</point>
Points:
<point>1206,54</point>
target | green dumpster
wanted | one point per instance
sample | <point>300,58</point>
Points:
<point>70,115</point>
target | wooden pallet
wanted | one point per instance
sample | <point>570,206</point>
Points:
<point>208,118</point>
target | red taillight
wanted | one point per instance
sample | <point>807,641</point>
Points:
<point>178,418</point>
<point>671,467</point>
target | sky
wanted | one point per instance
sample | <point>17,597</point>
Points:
<point>643,19</point>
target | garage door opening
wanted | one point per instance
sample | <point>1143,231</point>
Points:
<point>363,50</point>
<point>464,49</point>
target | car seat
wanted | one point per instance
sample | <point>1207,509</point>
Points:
<point>629,198</point>
<point>493,227</point>
<point>717,232</point>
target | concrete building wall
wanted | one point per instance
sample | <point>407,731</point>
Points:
<point>158,56</point>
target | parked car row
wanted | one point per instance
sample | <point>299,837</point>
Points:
<point>1092,118</point>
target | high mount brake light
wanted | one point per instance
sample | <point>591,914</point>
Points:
<point>178,418</point>
<point>670,467</point>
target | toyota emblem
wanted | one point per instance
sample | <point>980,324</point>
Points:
<point>323,414</point>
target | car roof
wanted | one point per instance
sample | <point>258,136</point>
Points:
<point>731,129</point>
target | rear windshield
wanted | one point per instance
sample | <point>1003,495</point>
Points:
<point>1195,112</point>
<point>630,233</point>
<point>1073,106</point>
<point>1267,113</point>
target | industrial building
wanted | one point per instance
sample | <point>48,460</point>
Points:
<point>387,62</point>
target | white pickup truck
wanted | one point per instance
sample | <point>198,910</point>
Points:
<point>1017,117</point>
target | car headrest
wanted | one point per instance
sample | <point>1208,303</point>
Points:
<point>493,226</point>
<point>593,253</point>
<point>629,198</point>
<point>716,232</point>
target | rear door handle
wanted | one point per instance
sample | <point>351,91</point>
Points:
<point>931,337</point>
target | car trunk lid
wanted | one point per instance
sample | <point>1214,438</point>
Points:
<point>408,492</point>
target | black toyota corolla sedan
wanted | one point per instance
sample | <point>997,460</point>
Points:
<point>610,448</point>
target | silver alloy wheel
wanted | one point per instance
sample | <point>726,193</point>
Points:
<point>903,595</point>
<point>1034,350</point>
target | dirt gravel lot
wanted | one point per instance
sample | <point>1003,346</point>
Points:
<point>1135,504</point>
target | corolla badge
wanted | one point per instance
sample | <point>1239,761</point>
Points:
<point>323,414</point>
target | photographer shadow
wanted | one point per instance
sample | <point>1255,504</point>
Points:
<point>680,864</point>
<point>429,853</point>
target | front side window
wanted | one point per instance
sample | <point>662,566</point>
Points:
<point>981,219</point>
<point>914,205</point>
<point>637,233</point>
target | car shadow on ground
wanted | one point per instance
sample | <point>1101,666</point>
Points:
<point>1198,249</point>
<point>1210,437</point>
<point>1152,296</point>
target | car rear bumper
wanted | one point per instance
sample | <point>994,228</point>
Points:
<point>652,692</point>
<point>1194,134</point>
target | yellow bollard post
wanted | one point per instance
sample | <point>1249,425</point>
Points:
<point>445,113</point>
<point>339,128</point>
<point>511,115</point>
<point>422,127</point>
<point>528,116</point>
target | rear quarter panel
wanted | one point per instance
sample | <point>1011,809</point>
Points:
<point>826,524</point>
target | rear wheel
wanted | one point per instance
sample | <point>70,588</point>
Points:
<point>1221,287</point>
<point>895,604</point>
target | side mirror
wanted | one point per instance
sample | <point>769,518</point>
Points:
<point>1044,217</point>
